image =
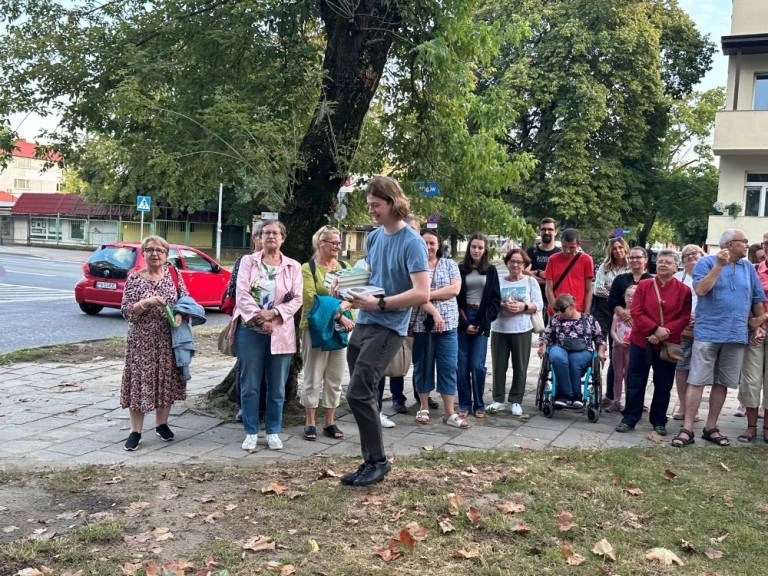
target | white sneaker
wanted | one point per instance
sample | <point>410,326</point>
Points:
<point>274,442</point>
<point>385,422</point>
<point>496,407</point>
<point>517,410</point>
<point>250,442</point>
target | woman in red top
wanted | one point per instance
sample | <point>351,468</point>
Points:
<point>648,332</point>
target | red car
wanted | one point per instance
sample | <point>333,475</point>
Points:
<point>108,267</point>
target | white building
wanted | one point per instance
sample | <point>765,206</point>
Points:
<point>25,172</point>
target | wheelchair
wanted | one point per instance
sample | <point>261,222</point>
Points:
<point>592,392</point>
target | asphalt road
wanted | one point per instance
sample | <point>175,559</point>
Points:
<point>38,308</point>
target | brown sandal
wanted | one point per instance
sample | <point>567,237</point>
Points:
<point>681,442</point>
<point>719,440</point>
<point>747,438</point>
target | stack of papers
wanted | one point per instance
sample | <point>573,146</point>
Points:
<point>350,293</point>
<point>347,278</point>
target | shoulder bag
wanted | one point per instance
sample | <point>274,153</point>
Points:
<point>576,344</point>
<point>536,320</point>
<point>670,352</point>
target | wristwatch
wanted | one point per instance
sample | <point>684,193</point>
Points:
<point>382,303</point>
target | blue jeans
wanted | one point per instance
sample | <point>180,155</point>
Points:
<point>396,385</point>
<point>568,367</point>
<point>256,360</point>
<point>435,349</point>
<point>470,379</point>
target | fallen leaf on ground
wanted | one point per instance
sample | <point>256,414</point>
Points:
<point>445,525</point>
<point>632,489</point>
<point>328,473</point>
<point>287,570</point>
<point>257,543</point>
<point>517,471</point>
<point>405,539</point>
<point>274,488</point>
<point>663,556</point>
<point>471,470</point>
<point>719,539</point>
<point>30,572</point>
<point>473,514</point>
<point>211,518</point>
<point>70,515</point>
<point>687,546</point>
<point>230,507</point>
<point>565,521</point>
<point>655,437</point>
<point>370,500</point>
<point>575,559</point>
<point>725,466</point>
<point>417,531</point>
<point>115,480</point>
<point>474,553</point>
<point>510,507</point>
<point>587,494</point>
<point>669,475</point>
<point>427,448</point>
<point>296,494</point>
<point>206,498</point>
<point>10,529</point>
<point>605,549</point>
<point>162,533</point>
<point>314,546</point>
<point>176,567</point>
<point>519,527</point>
<point>713,554</point>
<point>728,500</point>
<point>454,502</point>
<point>135,508</point>
<point>388,555</point>
<point>130,568</point>
<point>42,536</point>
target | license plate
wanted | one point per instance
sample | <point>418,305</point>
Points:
<point>107,285</point>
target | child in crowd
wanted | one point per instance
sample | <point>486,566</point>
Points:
<point>620,332</point>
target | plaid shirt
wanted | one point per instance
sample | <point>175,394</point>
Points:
<point>445,271</point>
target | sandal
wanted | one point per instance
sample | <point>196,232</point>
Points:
<point>422,416</point>
<point>310,433</point>
<point>479,414</point>
<point>747,438</point>
<point>719,440</point>
<point>681,442</point>
<point>463,413</point>
<point>333,431</point>
<point>455,421</point>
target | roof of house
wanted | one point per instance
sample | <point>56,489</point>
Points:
<point>6,197</point>
<point>24,149</point>
<point>66,205</point>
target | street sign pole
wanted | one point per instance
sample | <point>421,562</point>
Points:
<point>143,204</point>
<point>218,225</point>
<point>141,229</point>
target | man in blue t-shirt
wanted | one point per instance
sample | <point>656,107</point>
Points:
<point>729,312</point>
<point>397,258</point>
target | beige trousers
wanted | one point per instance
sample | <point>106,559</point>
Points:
<point>323,371</point>
<point>754,377</point>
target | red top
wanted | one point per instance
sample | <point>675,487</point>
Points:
<point>675,302</point>
<point>575,282</point>
<point>762,274</point>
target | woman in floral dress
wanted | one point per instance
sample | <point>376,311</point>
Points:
<point>151,380</point>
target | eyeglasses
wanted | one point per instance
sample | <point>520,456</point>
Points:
<point>563,309</point>
<point>743,240</point>
<point>155,251</point>
<point>691,256</point>
<point>636,258</point>
<point>271,233</point>
<point>517,262</point>
<point>334,244</point>
<point>664,263</point>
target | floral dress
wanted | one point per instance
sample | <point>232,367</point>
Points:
<point>150,377</point>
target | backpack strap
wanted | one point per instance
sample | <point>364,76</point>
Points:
<point>313,268</point>
<point>175,277</point>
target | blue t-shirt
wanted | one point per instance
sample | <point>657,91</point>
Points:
<point>722,315</point>
<point>393,258</point>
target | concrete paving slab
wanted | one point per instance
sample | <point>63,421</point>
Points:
<point>77,447</point>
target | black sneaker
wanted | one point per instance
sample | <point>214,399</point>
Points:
<point>577,405</point>
<point>561,403</point>
<point>349,479</point>
<point>164,432</point>
<point>433,405</point>
<point>373,472</point>
<point>399,408</point>
<point>134,439</point>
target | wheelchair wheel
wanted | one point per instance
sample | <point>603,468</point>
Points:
<point>548,409</point>
<point>593,414</point>
<point>541,388</point>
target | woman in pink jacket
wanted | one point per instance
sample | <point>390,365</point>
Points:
<point>268,294</point>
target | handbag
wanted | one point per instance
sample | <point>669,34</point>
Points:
<point>226,341</point>
<point>401,361</point>
<point>322,327</point>
<point>536,320</point>
<point>670,352</point>
<point>575,344</point>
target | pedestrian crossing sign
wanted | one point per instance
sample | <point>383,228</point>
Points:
<point>143,203</point>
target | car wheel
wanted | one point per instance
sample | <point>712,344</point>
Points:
<point>91,309</point>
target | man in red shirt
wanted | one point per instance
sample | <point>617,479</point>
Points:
<point>570,272</point>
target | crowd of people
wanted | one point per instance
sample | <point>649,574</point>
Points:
<point>700,327</point>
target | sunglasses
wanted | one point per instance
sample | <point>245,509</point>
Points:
<point>563,309</point>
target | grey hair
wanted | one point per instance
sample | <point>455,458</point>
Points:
<point>411,218</point>
<point>688,248</point>
<point>670,253</point>
<point>257,226</point>
<point>265,223</point>
<point>727,236</point>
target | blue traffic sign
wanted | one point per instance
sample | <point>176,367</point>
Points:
<point>429,188</point>
<point>143,203</point>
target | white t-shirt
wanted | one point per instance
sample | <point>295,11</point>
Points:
<point>687,279</point>
<point>526,290</point>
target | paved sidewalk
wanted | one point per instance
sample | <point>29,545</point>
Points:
<point>68,414</point>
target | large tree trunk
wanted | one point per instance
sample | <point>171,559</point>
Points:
<point>356,52</point>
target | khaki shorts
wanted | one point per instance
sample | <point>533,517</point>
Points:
<point>753,377</point>
<point>716,363</point>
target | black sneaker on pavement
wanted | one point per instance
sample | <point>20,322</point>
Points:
<point>373,472</point>
<point>399,408</point>
<point>349,479</point>
<point>433,405</point>
<point>164,432</point>
<point>134,439</point>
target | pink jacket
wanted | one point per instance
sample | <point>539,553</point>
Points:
<point>288,279</point>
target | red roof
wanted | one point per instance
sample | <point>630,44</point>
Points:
<point>24,149</point>
<point>6,197</point>
<point>65,205</point>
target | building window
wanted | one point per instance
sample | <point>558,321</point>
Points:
<point>754,195</point>
<point>43,229</point>
<point>23,163</point>
<point>761,92</point>
<point>77,229</point>
<point>21,184</point>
